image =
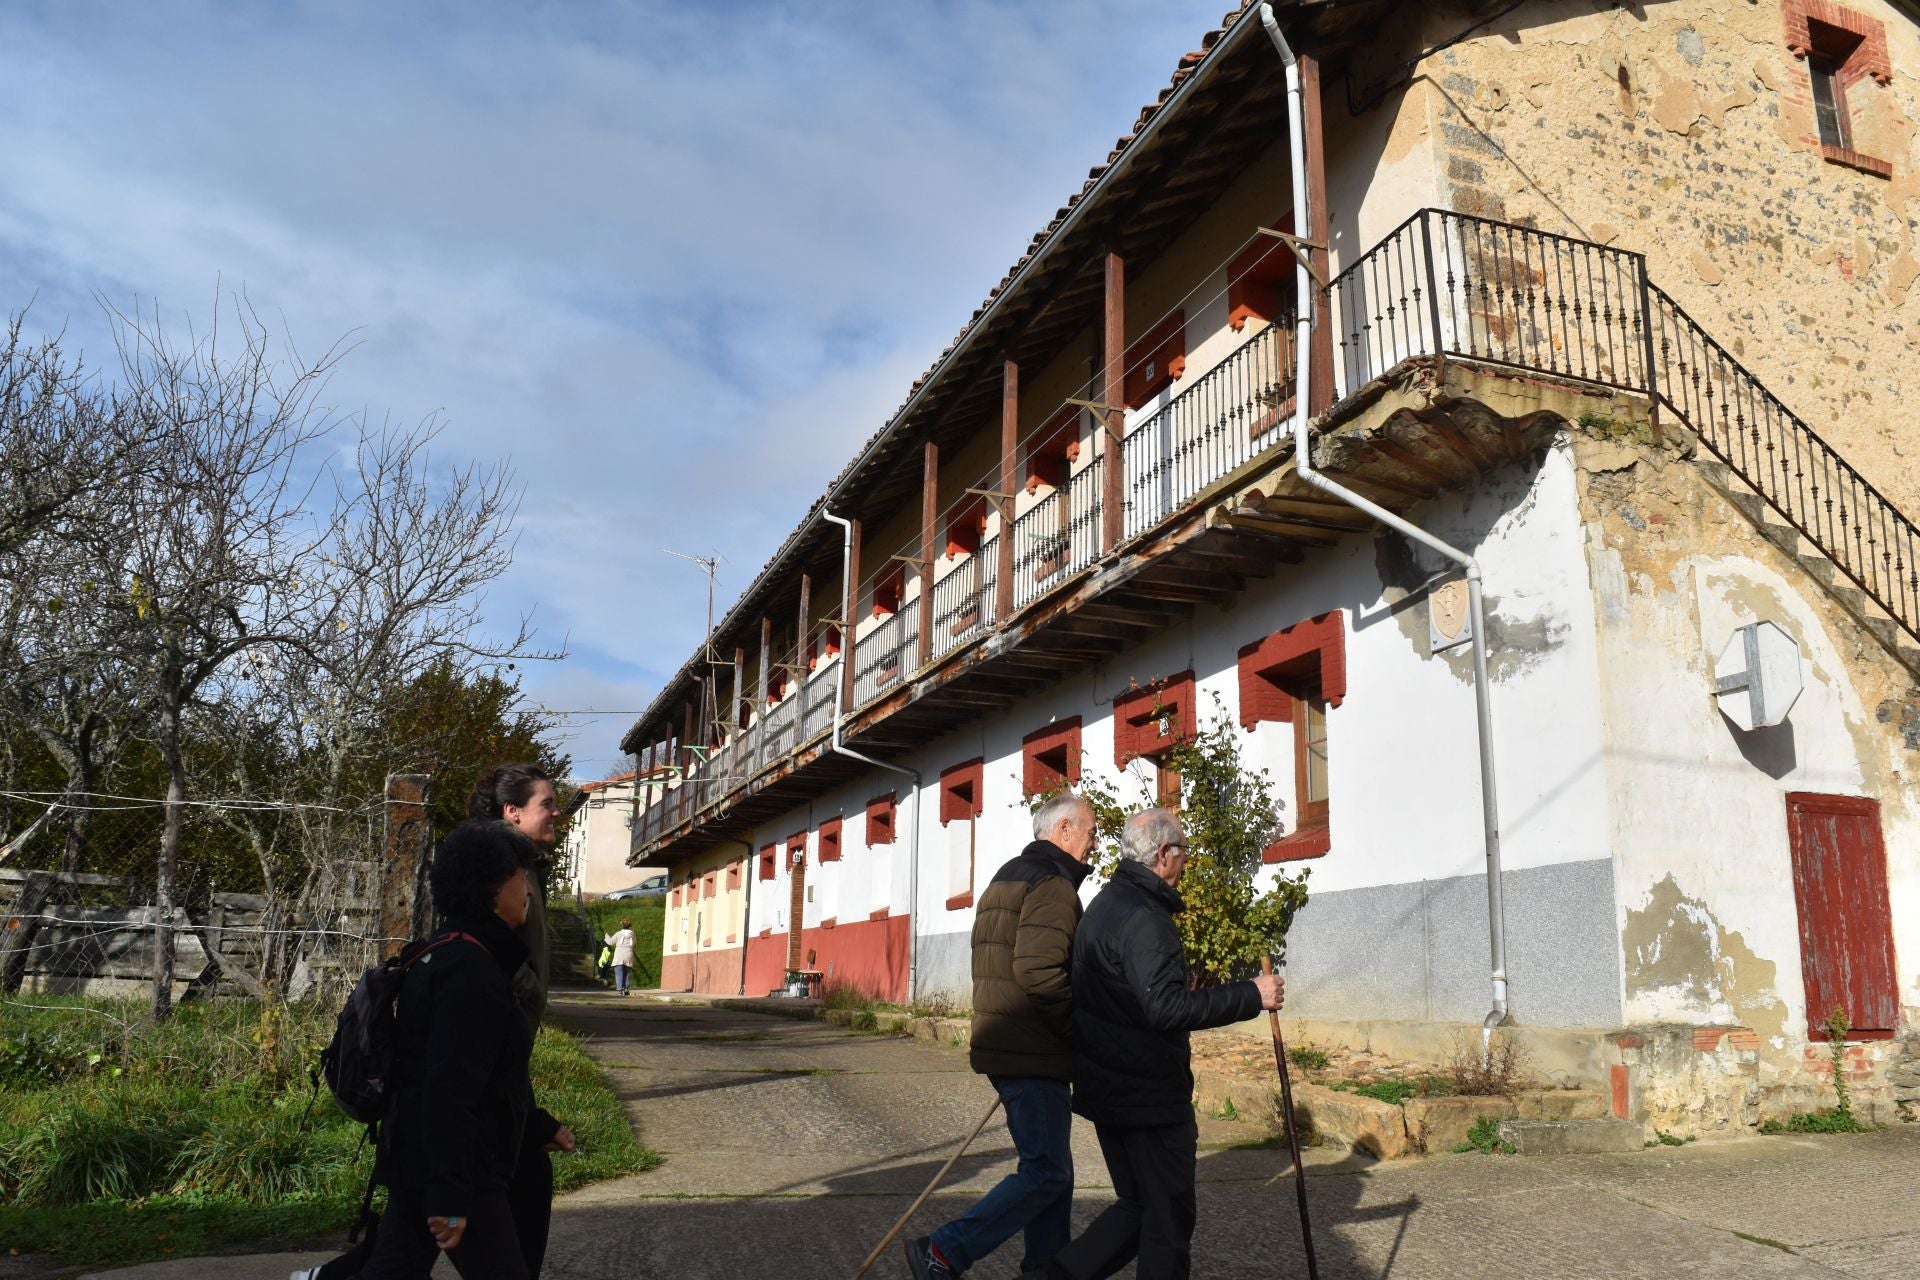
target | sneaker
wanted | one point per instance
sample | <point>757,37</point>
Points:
<point>925,1263</point>
<point>306,1273</point>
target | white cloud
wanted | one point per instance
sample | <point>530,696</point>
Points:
<point>674,261</point>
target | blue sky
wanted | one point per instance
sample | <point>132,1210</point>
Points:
<point>673,261</point>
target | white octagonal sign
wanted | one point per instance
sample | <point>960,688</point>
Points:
<point>1757,679</point>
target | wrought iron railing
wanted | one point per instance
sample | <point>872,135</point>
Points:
<point>1057,536</point>
<point>816,708</point>
<point>963,600</point>
<point>883,656</point>
<point>777,730</point>
<point>1230,413</point>
<point>1800,475</point>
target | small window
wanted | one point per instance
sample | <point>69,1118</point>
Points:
<point>888,591</point>
<point>769,862</point>
<point>1053,450</point>
<point>880,819</point>
<point>1310,756</point>
<point>1156,361</point>
<point>708,885</point>
<point>733,876</point>
<point>960,791</point>
<point>830,840</point>
<point>1050,757</point>
<point>966,526</point>
<point>1153,717</point>
<point>1829,102</point>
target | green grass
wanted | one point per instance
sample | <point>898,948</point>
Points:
<point>1307,1058</point>
<point>123,1142</point>
<point>1484,1137</point>
<point>649,920</point>
<point>1827,1120</point>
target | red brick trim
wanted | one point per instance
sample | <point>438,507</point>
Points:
<point>1036,773</point>
<point>882,815</point>
<point>961,791</point>
<point>1317,645</point>
<point>1255,276</point>
<point>733,937</point>
<point>1856,160</point>
<point>829,922</point>
<point>1630,1041</point>
<point>1621,1099</point>
<point>881,914</point>
<point>830,840</point>
<point>767,932</point>
<point>1314,842</point>
<point>1156,361</point>
<point>769,861</point>
<point>1136,726</point>
<point>1053,450</point>
<point>1870,59</point>
<point>733,874</point>
<point>961,902</point>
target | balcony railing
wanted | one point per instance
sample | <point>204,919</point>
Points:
<point>1232,412</point>
<point>963,600</point>
<point>1442,284</point>
<point>1057,536</point>
<point>885,654</point>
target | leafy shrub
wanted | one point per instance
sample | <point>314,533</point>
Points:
<point>1484,1137</point>
<point>1825,1120</point>
<point>98,1149</point>
<point>1308,1058</point>
<point>865,1020</point>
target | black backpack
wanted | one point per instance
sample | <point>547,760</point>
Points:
<point>358,1062</point>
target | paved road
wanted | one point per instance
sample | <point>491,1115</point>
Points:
<point>792,1146</point>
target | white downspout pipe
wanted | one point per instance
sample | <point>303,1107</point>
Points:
<point>1303,464</point>
<point>913,838</point>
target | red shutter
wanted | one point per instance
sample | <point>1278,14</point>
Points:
<point>1846,927</point>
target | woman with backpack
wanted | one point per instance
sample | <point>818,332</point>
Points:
<point>462,1101</point>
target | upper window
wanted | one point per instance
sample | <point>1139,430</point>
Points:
<point>769,864</point>
<point>888,589</point>
<point>1156,361</point>
<point>830,840</point>
<point>1151,719</point>
<point>961,791</point>
<point>1294,676</point>
<point>967,526</point>
<point>880,818</point>
<point>1050,757</point>
<point>1263,281</point>
<point>1052,450</point>
<point>1841,48</point>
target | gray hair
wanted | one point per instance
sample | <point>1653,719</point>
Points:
<point>1146,831</point>
<point>1055,809</point>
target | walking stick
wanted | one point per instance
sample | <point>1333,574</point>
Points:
<point>1293,1135</point>
<point>915,1206</point>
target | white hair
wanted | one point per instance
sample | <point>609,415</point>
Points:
<point>1146,831</point>
<point>1055,809</point>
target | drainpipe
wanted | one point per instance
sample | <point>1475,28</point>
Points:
<point>1303,463</point>
<point>748,872</point>
<point>847,648</point>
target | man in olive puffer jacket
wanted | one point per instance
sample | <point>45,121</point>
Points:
<point>1022,1042</point>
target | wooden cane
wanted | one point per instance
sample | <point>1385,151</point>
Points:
<point>915,1206</point>
<point>1293,1135</point>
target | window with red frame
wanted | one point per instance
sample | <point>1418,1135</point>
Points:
<point>1156,361</point>
<point>880,819</point>
<point>1295,676</point>
<point>889,590</point>
<point>1050,757</point>
<point>830,840</point>
<point>776,685</point>
<point>733,875</point>
<point>1052,451</point>
<point>962,800</point>
<point>1153,717</point>
<point>675,900</point>
<point>1842,47</point>
<point>966,526</point>
<point>1263,281</point>
<point>769,861</point>
<point>708,884</point>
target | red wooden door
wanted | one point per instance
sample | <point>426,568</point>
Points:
<point>1846,928</point>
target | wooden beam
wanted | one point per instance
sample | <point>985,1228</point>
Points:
<point>850,615</point>
<point>1313,125</point>
<point>1455,438</point>
<point>929,521</point>
<point>1009,445</point>
<point>1113,354</point>
<point>1394,451</point>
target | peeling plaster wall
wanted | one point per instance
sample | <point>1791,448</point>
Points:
<point>1709,931</point>
<point>1685,131</point>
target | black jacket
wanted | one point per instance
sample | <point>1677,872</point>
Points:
<point>462,1052</point>
<point>1132,1009</point>
<point>1023,965</point>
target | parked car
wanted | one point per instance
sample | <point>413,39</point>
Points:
<point>651,887</point>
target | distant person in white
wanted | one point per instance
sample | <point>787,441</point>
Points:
<point>621,940</point>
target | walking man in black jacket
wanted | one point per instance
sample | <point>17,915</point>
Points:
<point>1022,1002</point>
<point>1132,1010</point>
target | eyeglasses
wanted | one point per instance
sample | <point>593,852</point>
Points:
<point>1181,845</point>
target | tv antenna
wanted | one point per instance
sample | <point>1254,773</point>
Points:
<point>711,565</point>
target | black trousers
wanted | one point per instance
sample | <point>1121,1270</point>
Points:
<point>404,1248</point>
<point>1153,1175</point>
<point>530,1197</point>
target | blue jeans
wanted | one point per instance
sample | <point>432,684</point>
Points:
<point>1038,1195</point>
<point>620,978</point>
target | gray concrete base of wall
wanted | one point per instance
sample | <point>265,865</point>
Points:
<point>1558,1056</point>
<point>1572,1137</point>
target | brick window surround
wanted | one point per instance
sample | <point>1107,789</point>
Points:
<point>1155,361</point>
<point>961,791</point>
<point>769,862</point>
<point>1267,667</point>
<point>887,592</point>
<point>830,840</point>
<point>1050,756</point>
<point>967,526</point>
<point>733,875</point>
<point>796,847</point>
<point>881,813</point>
<point>1262,274</point>
<point>1053,450</point>
<point>707,884</point>
<point>1851,47</point>
<point>1153,717</point>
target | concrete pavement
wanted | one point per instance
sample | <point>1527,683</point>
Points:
<point>791,1147</point>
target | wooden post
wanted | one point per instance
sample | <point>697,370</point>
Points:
<point>1320,351</point>
<point>741,702</point>
<point>406,905</point>
<point>766,666</point>
<point>929,522</point>
<point>849,623</point>
<point>1009,444</point>
<point>1113,352</point>
<point>687,718</point>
